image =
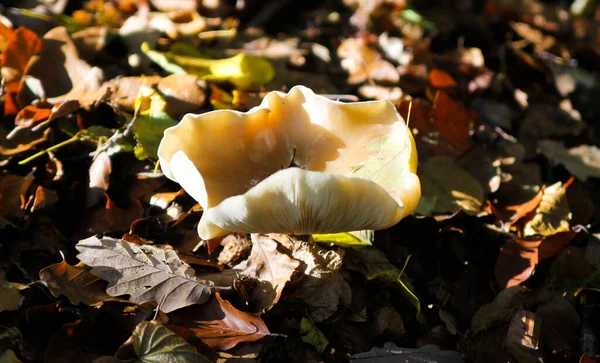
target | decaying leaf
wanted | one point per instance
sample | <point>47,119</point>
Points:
<point>154,343</point>
<point>553,214</point>
<point>448,188</point>
<point>322,288</point>
<point>145,273</point>
<point>312,335</point>
<point>219,325</point>
<point>272,268</point>
<point>74,282</point>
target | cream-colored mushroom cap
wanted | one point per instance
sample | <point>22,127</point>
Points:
<point>356,165</point>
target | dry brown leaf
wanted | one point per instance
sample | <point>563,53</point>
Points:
<point>20,47</point>
<point>218,324</point>
<point>30,116</point>
<point>13,192</point>
<point>120,219</point>
<point>322,287</point>
<point>60,69</point>
<point>365,63</point>
<point>74,282</point>
<point>272,268</point>
<point>145,273</point>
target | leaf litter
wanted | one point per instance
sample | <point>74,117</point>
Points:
<point>97,246</point>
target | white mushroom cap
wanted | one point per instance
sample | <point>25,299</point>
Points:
<point>358,165</point>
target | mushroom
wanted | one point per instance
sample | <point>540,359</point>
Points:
<point>353,165</point>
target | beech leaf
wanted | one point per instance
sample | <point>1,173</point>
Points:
<point>219,325</point>
<point>449,188</point>
<point>74,282</point>
<point>153,342</point>
<point>146,273</point>
<point>272,268</point>
<point>553,214</point>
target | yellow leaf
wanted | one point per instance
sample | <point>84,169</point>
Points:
<point>552,215</point>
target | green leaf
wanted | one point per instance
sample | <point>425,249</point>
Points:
<point>346,239</point>
<point>447,188</point>
<point>151,122</point>
<point>155,343</point>
<point>242,70</point>
<point>312,335</point>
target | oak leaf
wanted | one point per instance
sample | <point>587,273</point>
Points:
<point>74,282</point>
<point>146,273</point>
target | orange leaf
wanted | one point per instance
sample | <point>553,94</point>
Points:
<point>20,48</point>
<point>30,116</point>
<point>516,262</point>
<point>441,79</point>
<point>444,129</point>
<point>218,324</point>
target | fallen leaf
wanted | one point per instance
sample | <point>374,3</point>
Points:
<point>153,342</point>
<point>120,219</point>
<point>561,323</point>
<point>441,79</point>
<point>10,296</point>
<point>272,268</point>
<point>346,239</point>
<point>236,247</point>
<point>20,47</point>
<point>151,122</point>
<point>99,177</point>
<point>523,336</point>
<point>242,70</point>
<point>552,215</point>
<point>374,265</point>
<point>182,93</point>
<point>582,161</point>
<point>145,273</point>
<point>312,335</point>
<point>9,357</point>
<point>31,115</point>
<point>363,62</point>
<point>543,121</point>
<point>74,282</point>
<point>13,192</point>
<point>390,353</point>
<point>219,325</point>
<point>44,197</point>
<point>322,287</point>
<point>59,67</point>
<point>449,187</point>
<point>444,129</point>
